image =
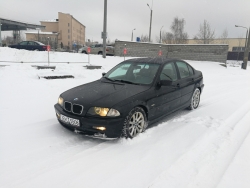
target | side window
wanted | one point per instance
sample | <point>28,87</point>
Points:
<point>169,72</point>
<point>23,43</point>
<point>31,43</point>
<point>183,69</point>
<point>191,71</point>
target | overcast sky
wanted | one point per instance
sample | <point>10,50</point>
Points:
<point>125,15</point>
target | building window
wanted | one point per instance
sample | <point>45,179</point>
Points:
<point>68,31</point>
<point>68,37</point>
<point>68,24</point>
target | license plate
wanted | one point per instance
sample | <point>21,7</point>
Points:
<point>71,121</point>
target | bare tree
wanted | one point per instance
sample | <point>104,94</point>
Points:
<point>177,28</point>
<point>144,38</point>
<point>167,38</point>
<point>205,35</point>
<point>224,37</point>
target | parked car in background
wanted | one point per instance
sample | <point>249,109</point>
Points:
<point>30,45</point>
<point>133,94</point>
<point>97,49</point>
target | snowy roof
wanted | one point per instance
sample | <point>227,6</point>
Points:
<point>41,32</point>
<point>53,20</point>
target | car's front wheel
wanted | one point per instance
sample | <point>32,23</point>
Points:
<point>135,123</point>
<point>99,53</point>
<point>195,100</point>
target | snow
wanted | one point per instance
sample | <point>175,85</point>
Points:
<point>204,148</point>
<point>40,32</point>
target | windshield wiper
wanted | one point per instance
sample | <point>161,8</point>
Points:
<point>128,82</point>
<point>109,79</point>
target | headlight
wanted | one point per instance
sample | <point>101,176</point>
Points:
<point>60,101</point>
<point>103,112</point>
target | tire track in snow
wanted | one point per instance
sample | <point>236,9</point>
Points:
<point>199,166</point>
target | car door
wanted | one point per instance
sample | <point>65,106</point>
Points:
<point>94,49</point>
<point>31,45</point>
<point>23,45</point>
<point>167,98</point>
<point>186,81</point>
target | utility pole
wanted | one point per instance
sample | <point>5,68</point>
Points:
<point>245,59</point>
<point>160,34</point>
<point>0,34</point>
<point>151,13</point>
<point>104,29</point>
<point>132,38</point>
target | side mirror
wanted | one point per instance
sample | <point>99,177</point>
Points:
<point>165,83</point>
<point>103,74</point>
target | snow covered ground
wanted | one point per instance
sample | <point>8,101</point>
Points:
<point>205,148</point>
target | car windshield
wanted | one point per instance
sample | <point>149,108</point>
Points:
<point>134,73</point>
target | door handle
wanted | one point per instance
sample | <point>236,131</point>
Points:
<point>176,86</point>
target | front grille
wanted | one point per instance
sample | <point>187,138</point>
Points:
<point>68,106</point>
<point>75,108</point>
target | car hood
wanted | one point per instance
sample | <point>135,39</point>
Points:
<point>102,94</point>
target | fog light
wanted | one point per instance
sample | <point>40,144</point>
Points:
<point>100,128</point>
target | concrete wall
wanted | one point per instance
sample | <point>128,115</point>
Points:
<point>209,52</point>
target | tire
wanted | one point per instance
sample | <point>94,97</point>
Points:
<point>84,52</point>
<point>99,53</point>
<point>195,100</point>
<point>135,123</point>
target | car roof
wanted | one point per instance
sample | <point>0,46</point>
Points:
<point>159,60</point>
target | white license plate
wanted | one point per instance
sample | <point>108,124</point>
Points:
<point>71,121</point>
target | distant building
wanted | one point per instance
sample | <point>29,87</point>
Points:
<point>234,44</point>
<point>66,32</point>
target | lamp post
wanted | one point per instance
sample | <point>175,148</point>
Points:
<point>38,38</point>
<point>104,29</point>
<point>246,34</point>
<point>0,34</point>
<point>132,34</point>
<point>48,48</point>
<point>247,46</point>
<point>160,34</point>
<point>151,12</point>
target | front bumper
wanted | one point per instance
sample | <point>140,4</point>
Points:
<point>113,125</point>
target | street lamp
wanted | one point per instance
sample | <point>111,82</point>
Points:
<point>151,12</point>
<point>160,34</point>
<point>0,34</point>
<point>247,46</point>
<point>246,34</point>
<point>38,38</point>
<point>132,34</point>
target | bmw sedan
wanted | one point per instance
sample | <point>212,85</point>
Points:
<point>30,45</point>
<point>132,95</point>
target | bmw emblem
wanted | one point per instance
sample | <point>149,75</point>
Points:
<point>75,99</point>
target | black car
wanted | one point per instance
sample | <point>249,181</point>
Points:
<point>30,45</point>
<point>130,96</point>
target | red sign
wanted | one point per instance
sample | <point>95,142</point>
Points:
<point>160,53</point>
<point>48,47</point>
<point>88,50</point>
<point>125,51</point>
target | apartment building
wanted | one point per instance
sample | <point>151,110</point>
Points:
<point>66,31</point>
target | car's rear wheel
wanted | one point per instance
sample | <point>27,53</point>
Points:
<point>99,53</point>
<point>135,123</point>
<point>84,52</point>
<point>195,100</point>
